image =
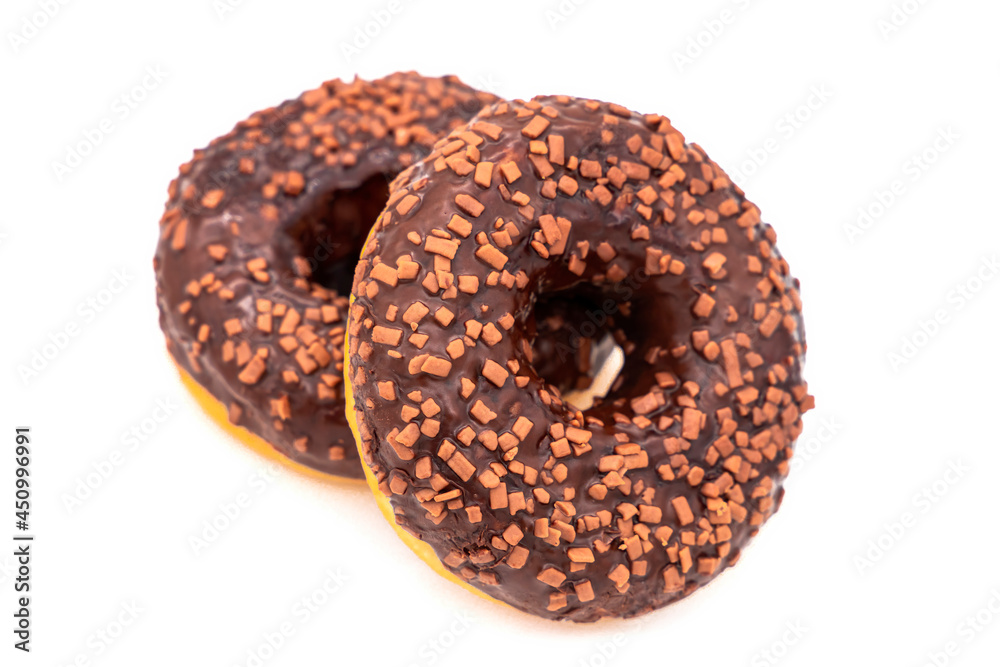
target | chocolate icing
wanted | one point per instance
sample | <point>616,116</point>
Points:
<point>258,245</point>
<point>576,206</point>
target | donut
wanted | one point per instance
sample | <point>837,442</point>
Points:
<point>257,249</point>
<point>480,461</point>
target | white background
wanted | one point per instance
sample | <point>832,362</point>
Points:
<point>879,555</point>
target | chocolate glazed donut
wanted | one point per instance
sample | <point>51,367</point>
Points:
<point>259,241</point>
<point>649,494</point>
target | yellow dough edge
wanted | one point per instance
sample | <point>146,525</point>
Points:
<point>423,550</point>
<point>218,413</point>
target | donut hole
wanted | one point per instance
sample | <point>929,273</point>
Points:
<point>600,351</point>
<point>574,347</point>
<point>609,359</point>
<point>331,236</point>
<point>649,335</point>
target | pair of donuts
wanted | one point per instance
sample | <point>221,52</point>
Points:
<point>519,243</point>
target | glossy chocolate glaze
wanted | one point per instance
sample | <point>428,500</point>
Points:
<point>293,189</point>
<point>652,492</point>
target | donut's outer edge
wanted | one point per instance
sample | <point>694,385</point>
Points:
<point>501,554</point>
